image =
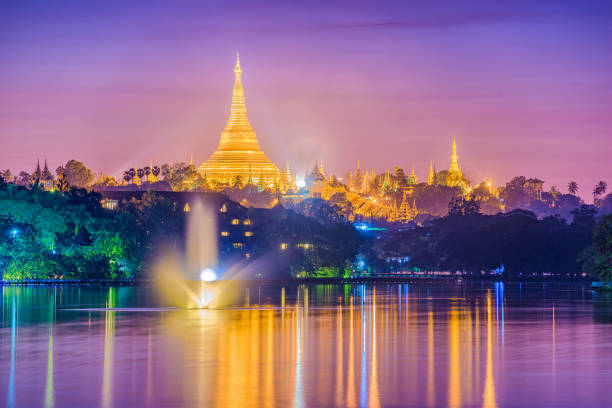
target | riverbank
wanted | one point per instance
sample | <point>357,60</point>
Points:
<point>325,281</point>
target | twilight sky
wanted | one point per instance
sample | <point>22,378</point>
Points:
<point>525,85</point>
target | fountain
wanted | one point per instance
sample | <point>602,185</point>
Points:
<point>187,279</point>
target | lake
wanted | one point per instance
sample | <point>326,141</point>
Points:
<point>471,344</point>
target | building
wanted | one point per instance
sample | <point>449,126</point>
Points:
<point>238,156</point>
<point>534,188</point>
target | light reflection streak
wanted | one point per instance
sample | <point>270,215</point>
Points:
<point>373,392</point>
<point>339,355</point>
<point>350,391</point>
<point>554,348</point>
<point>363,397</point>
<point>269,388</point>
<point>49,397</point>
<point>454,369</point>
<point>488,396</point>
<point>298,399</point>
<point>109,344</point>
<point>431,398</point>
<point>11,387</point>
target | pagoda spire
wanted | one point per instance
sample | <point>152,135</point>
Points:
<point>454,167</point>
<point>238,120</point>
<point>413,176</point>
<point>432,175</point>
<point>37,172</point>
<point>238,149</point>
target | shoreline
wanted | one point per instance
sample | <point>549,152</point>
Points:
<point>356,280</point>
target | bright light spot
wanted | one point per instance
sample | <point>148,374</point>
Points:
<point>208,275</point>
<point>300,183</point>
<point>14,232</point>
<point>489,183</point>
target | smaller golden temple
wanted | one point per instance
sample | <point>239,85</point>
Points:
<point>238,156</point>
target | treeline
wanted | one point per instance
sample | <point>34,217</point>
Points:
<point>513,244</point>
<point>68,235</point>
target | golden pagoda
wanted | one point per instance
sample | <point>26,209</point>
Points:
<point>454,167</point>
<point>238,154</point>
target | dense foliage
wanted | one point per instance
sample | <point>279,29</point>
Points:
<point>47,235</point>
<point>602,244</point>
<point>515,244</point>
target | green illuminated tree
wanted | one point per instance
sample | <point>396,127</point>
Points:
<point>602,242</point>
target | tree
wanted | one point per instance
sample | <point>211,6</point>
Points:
<point>599,190</point>
<point>76,173</point>
<point>62,184</point>
<point>7,175</point>
<point>462,206</point>
<point>127,176</point>
<point>554,192</point>
<point>602,242</point>
<point>24,179</point>
<point>401,176</point>
<point>572,187</point>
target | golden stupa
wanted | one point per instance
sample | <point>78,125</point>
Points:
<point>238,154</point>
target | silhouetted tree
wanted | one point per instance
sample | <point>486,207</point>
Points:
<point>599,190</point>
<point>572,187</point>
<point>602,242</point>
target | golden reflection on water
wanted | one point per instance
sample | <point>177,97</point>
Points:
<point>344,349</point>
<point>303,346</point>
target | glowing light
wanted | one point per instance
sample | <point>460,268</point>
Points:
<point>301,183</point>
<point>208,275</point>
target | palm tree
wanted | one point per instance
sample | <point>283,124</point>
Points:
<point>62,184</point>
<point>155,170</point>
<point>554,192</point>
<point>127,176</point>
<point>147,172</point>
<point>599,190</point>
<point>572,187</point>
<point>141,173</point>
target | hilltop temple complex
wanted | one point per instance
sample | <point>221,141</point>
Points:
<point>238,156</point>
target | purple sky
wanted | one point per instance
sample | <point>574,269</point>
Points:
<point>527,88</point>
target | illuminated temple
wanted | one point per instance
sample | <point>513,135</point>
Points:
<point>238,156</point>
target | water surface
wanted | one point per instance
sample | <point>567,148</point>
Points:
<point>485,344</point>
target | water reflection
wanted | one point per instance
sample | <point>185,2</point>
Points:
<point>326,345</point>
<point>109,346</point>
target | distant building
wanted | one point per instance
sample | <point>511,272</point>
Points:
<point>534,188</point>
